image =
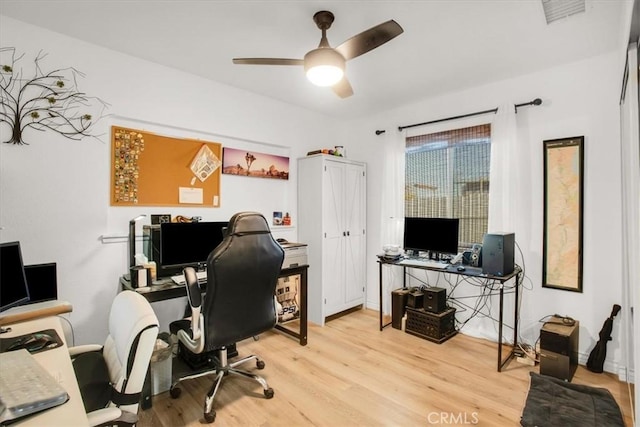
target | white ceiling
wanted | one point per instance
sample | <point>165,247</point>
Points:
<point>447,45</point>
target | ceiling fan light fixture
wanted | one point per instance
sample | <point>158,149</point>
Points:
<point>324,66</point>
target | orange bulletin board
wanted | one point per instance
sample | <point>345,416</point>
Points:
<point>155,170</point>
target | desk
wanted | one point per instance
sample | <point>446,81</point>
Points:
<point>517,274</point>
<point>166,289</point>
<point>57,362</point>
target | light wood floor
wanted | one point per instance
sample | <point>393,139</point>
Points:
<point>351,374</point>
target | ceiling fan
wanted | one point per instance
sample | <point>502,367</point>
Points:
<point>325,65</point>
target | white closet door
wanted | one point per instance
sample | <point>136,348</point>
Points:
<point>355,230</point>
<point>333,245</point>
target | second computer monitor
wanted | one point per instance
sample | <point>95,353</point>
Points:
<point>433,235</point>
<point>13,283</point>
<point>42,280</point>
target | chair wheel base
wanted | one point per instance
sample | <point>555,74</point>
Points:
<point>268,393</point>
<point>210,417</point>
<point>175,392</point>
<point>260,364</point>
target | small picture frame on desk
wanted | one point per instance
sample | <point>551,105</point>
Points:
<point>277,218</point>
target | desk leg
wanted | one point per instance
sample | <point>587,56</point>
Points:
<point>516,311</point>
<point>303,308</point>
<point>301,335</point>
<point>380,297</point>
<point>500,322</point>
<point>511,354</point>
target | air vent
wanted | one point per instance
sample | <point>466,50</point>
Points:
<point>560,9</point>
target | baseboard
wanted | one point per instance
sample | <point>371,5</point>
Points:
<point>342,313</point>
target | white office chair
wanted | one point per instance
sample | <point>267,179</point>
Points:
<point>111,376</point>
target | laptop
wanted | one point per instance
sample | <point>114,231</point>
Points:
<point>26,387</point>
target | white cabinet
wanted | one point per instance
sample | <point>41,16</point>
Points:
<point>332,222</point>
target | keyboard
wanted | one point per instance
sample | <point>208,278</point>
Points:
<point>412,262</point>
<point>180,280</point>
<point>26,387</point>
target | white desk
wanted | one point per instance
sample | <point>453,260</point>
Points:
<point>58,363</point>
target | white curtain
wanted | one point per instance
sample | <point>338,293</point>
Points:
<point>393,189</point>
<point>630,172</point>
<point>504,179</point>
<point>392,212</point>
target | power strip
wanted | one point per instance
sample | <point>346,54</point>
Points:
<point>526,356</point>
<point>525,360</point>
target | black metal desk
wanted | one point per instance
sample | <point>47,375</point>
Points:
<point>165,289</point>
<point>517,274</point>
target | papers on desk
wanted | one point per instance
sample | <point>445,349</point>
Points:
<point>180,280</point>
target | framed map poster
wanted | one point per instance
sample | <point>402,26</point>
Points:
<point>563,201</point>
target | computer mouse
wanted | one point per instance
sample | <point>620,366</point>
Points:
<point>38,342</point>
<point>461,268</point>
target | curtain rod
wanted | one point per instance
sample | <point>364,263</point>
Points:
<point>536,101</point>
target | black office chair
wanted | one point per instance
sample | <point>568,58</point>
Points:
<point>239,303</point>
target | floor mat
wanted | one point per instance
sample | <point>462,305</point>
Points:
<point>552,402</point>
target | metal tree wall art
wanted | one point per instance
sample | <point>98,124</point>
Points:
<point>45,101</point>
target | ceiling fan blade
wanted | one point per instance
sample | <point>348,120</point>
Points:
<point>268,61</point>
<point>369,39</point>
<point>343,88</point>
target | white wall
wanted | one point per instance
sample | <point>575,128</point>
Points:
<point>54,194</point>
<point>578,99</point>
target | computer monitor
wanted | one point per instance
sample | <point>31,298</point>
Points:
<point>13,283</point>
<point>434,235</point>
<point>187,244</point>
<point>42,281</point>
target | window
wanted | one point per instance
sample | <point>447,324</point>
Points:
<point>447,176</point>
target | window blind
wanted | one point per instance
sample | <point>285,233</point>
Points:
<point>447,176</point>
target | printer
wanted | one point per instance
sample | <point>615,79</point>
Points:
<point>295,254</point>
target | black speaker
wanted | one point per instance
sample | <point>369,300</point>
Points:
<point>435,299</point>
<point>42,280</point>
<point>473,257</point>
<point>497,253</point>
<point>415,299</point>
<point>399,299</point>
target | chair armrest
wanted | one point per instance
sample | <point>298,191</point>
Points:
<point>111,416</point>
<point>105,416</point>
<point>86,348</point>
<point>195,345</point>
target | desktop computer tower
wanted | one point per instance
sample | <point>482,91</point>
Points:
<point>435,300</point>
<point>559,348</point>
<point>498,254</point>
<point>399,299</point>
